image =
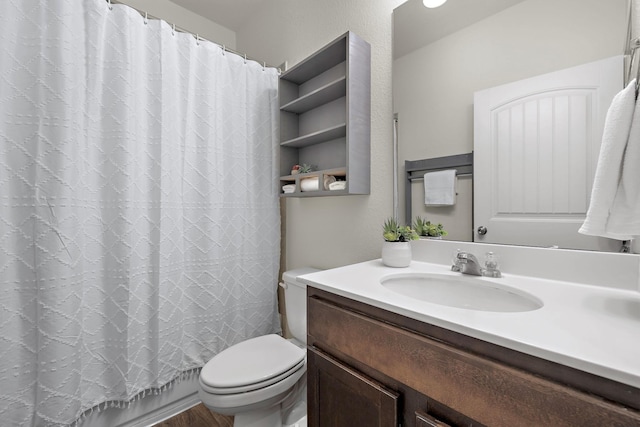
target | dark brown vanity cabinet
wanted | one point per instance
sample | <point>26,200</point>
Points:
<point>371,367</point>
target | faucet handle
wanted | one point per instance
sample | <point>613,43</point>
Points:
<point>455,261</point>
<point>491,260</point>
<point>491,265</point>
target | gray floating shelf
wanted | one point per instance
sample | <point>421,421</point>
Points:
<point>325,116</point>
<point>323,95</point>
<point>317,137</point>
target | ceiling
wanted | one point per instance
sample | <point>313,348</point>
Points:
<point>228,13</point>
<point>415,26</point>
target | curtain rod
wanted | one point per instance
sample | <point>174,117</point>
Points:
<point>632,47</point>
<point>628,40</point>
<point>197,36</point>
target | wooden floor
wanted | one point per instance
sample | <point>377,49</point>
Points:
<point>198,416</point>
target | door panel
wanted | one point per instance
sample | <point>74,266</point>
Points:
<point>536,146</point>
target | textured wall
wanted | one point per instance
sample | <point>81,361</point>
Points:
<point>333,231</point>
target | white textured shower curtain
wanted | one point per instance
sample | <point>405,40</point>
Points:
<point>139,220</point>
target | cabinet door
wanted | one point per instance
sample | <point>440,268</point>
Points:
<point>426,420</point>
<point>339,396</point>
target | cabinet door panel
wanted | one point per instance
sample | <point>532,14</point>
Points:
<point>426,420</point>
<point>339,396</point>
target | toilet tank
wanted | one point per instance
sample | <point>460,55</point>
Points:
<point>295,302</point>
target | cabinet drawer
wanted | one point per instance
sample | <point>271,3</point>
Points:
<point>491,393</point>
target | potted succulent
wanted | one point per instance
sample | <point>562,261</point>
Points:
<point>304,168</point>
<point>429,230</point>
<point>396,249</point>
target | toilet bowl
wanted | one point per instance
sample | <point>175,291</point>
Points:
<point>262,381</point>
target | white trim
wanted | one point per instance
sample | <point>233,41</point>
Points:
<point>150,410</point>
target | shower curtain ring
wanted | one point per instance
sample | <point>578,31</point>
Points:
<point>173,30</point>
<point>146,17</point>
<point>224,50</point>
<point>197,39</point>
<point>110,5</point>
<point>245,58</point>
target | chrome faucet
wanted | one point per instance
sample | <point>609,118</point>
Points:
<point>467,263</point>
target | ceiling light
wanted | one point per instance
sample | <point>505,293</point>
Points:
<point>433,3</point>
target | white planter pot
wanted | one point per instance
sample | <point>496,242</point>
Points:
<point>396,254</point>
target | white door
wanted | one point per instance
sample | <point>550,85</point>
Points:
<point>536,145</point>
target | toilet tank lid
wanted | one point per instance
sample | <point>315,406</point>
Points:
<point>291,276</point>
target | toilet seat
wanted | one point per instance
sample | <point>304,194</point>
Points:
<point>253,386</point>
<point>230,404</point>
<point>250,365</point>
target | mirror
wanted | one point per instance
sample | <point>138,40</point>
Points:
<point>443,56</point>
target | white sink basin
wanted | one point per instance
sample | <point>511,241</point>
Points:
<point>467,292</point>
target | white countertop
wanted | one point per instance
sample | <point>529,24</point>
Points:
<point>591,328</point>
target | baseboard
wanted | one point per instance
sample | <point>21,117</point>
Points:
<point>165,412</point>
<point>150,410</point>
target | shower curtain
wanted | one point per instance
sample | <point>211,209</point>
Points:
<point>139,219</point>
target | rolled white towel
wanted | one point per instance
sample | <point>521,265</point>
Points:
<point>338,185</point>
<point>328,179</point>
<point>289,188</point>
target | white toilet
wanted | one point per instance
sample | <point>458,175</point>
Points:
<point>262,381</point>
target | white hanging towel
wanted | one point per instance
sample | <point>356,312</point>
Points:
<point>440,188</point>
<point>624,219</point>
<point>607,180</point>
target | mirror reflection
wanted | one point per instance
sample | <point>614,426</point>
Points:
<point>443,57</point>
